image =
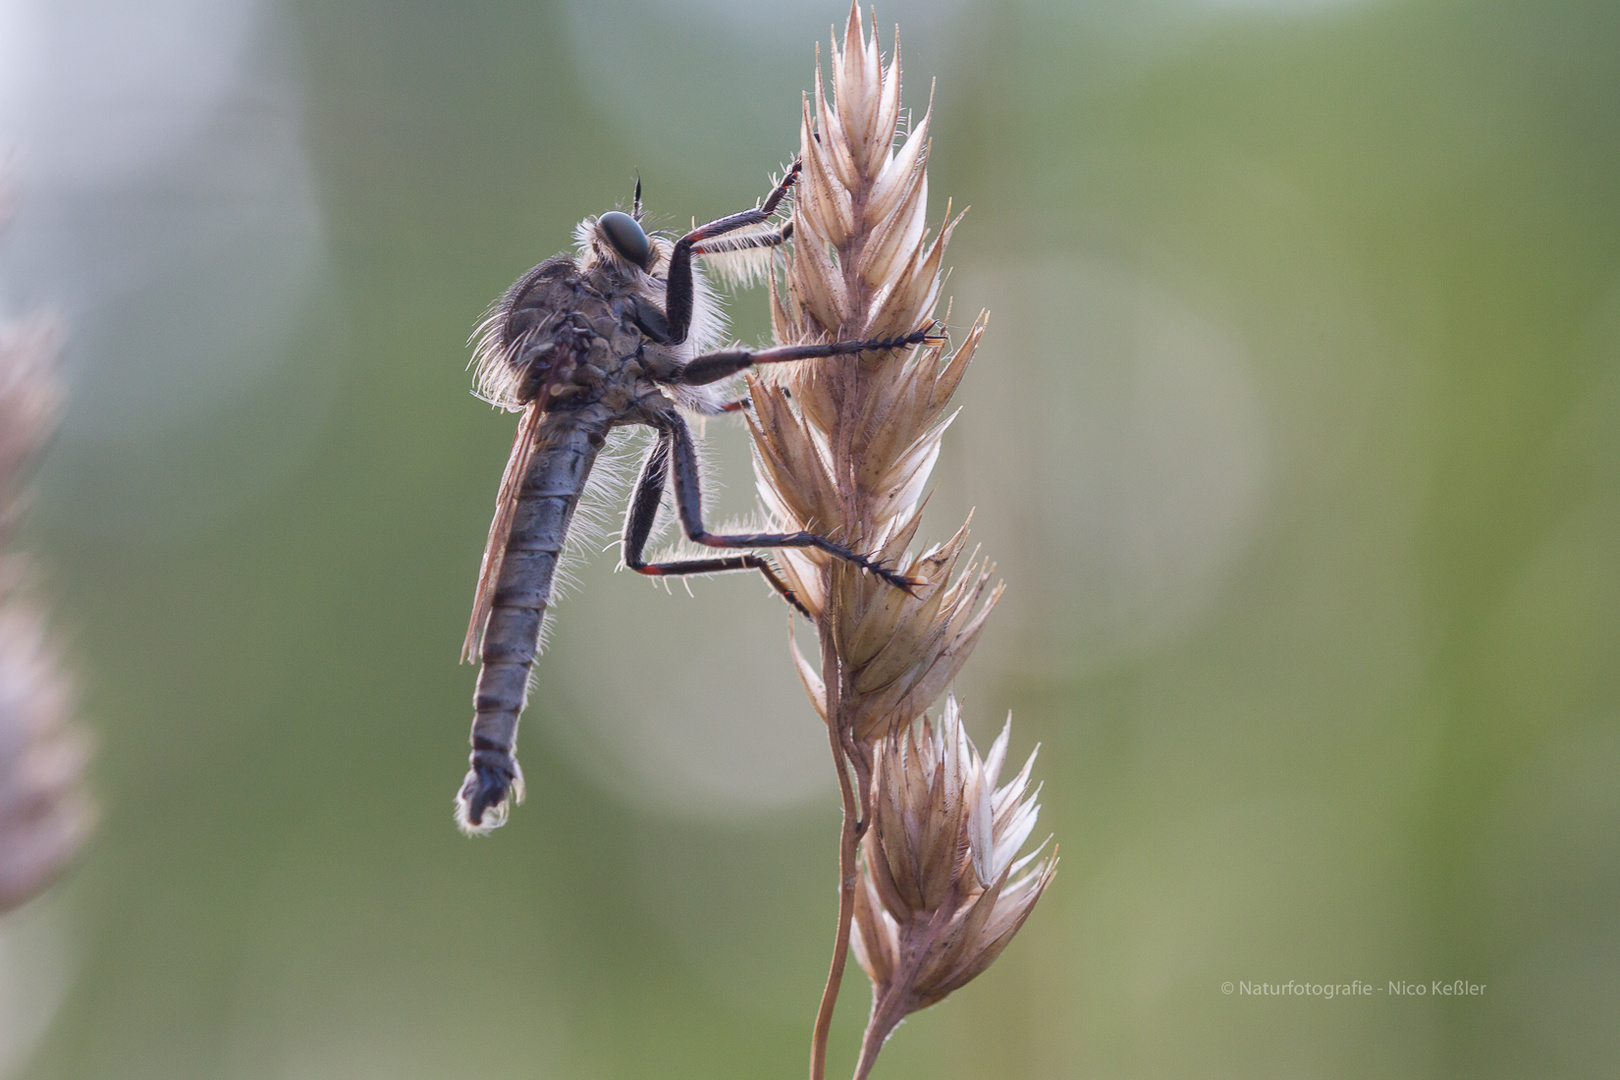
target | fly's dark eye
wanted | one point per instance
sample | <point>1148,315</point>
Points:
<point>626,236</point>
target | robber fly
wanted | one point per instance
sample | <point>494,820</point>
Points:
<point>582,344</point>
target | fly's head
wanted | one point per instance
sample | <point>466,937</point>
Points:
<point>615,241</point>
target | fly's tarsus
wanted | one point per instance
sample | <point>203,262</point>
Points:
<point>815,542</point>
<point>685,567</point>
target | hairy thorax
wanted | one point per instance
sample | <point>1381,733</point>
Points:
<point>579,339</point>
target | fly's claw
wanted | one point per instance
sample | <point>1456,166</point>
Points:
<point>789,178</point>
<point>906,585</point>
<point>934,334</point>
<point>909,586</point>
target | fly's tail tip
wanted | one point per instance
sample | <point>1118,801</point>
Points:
<point>487,796</point>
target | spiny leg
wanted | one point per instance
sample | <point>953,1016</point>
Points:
<point>712,367</point>
<point>678,291</point>
<point>683,467</point>
<point>638,525</point>
<point>725,246</point>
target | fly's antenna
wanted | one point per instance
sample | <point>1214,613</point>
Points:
<point>635,206</point>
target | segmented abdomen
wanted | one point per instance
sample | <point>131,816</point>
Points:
<point>546,501</point>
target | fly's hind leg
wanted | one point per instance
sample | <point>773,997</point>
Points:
<point>675,454</point>
<point>639,522</point>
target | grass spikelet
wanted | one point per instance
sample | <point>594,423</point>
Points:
<point>845,447</point>
<point>44,811</point>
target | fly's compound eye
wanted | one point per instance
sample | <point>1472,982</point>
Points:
<point>627,237</point>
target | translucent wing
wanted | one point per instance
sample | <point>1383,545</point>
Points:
<point>489,572</point>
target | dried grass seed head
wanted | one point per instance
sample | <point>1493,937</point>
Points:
<point>944,888</point>
<point>44,811</point>
<point>846,448</point>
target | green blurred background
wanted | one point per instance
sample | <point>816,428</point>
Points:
<point>1296,437</point>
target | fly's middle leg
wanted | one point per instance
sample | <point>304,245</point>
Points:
<point>712,367</point>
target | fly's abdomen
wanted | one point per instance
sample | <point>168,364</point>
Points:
<point>545,506</point>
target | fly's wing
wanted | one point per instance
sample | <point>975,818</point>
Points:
<point>489,572</point>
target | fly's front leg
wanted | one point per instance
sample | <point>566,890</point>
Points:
<point>712,367</point>
<point>774,238</point>
<point>639,522</point>
<point>683,467</point>
<point>678,290</point>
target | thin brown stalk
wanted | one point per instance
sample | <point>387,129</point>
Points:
<point>848,757</point>
<point>886,1014</point>
<point>848,850</point>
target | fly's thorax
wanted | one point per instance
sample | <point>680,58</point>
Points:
<point>567,334</point>
<point>600,359</point>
